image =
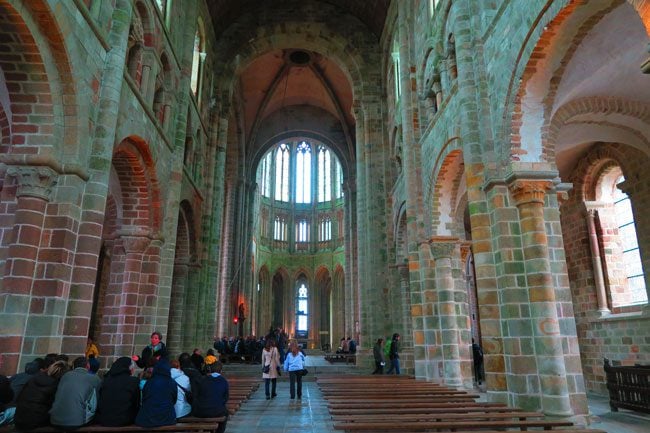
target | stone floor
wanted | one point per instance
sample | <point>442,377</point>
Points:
<point>310,415</point>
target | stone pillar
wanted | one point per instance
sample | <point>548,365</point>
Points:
<point>597,265</point>
<point>31,311</point>
<point>177,306</point>
<point>536,365</point>
<point>123,303</point>
<point>453,312</point>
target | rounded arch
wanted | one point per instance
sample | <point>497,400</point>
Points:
<point>134,166</point>
<point>448,183</point>
<point>36,69</point>
<point>543,63</point>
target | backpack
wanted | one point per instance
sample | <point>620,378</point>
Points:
<point>387,348</point>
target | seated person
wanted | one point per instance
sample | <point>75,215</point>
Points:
<point>211,395</point>
<point>352,346</point>
<point>119,395</point>
<point>35,400</point>
<point>77,390</point>
<point>183,404</point>
<point>19,380</point>
<point>6,396</point>
<point>158,398</point>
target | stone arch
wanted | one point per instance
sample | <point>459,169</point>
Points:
<point>322,307</point>
<point>542,61</point>
<point>331,39</point>
<point>135,168</point>
<point>443,195</point>
<point>184,295</point>
<point>280,286</point>
<point>36,72</point>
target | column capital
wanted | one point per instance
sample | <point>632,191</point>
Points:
<point>34,181</point>
<point>135,244</point>
<point>465,249</point>
<point>443,246</point>
<point>526,191</point>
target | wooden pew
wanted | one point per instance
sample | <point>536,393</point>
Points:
<point>400,426</point>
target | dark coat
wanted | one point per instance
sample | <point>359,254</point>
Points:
<point>394,349</point>
<point>119,396</point>
<point>211,397</point>
<point>158,398</point>
<point>34,402</point>
<point>148,354</point>
<point>197,361</point>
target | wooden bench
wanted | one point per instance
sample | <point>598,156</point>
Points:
<point>628,386</point>
<point>348,358</point>
<point>397,425</point>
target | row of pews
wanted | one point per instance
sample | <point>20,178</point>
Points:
<point>402,404</point>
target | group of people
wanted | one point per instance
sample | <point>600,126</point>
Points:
<point>49,392</point>
<point>347,345</point>
<point>294,364</point>
<point>389,350</point>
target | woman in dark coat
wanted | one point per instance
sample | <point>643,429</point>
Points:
<point>152,352</point>
<point>119,396</point>
<point>158,398</point>
<point>36,398</point>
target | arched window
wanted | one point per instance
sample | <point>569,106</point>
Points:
<point>197,60</point>
<point>280,229</point>
<point>338,183</point>
<point>265,176</point>
<point>325,229</point>
<point>620,252</point>
<point>282,173</point>
<point>396,63</point>
<point>302,231</point>
<point>302,312</point>
<point>303,173</point>
<point>324,175</point>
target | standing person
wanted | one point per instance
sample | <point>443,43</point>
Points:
<point>394,354</point>
<point>212,394</point>
<point>270,363</point>
<point>477,354</point>
<point>152,352</point>
<point>119,395</point>
<point>378,353</point>
<point>158,398</point>
<point>35,400</point>
<point>294,363</point>
<point>75,402</point>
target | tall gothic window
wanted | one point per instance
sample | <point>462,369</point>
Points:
<point>338,181</point>
<point>282,173</point>
<point>280,229</point>
<point>325,229</point>
<point>303,173</point>
<point>396,63</point>
<point>302,311</point>
<point>302,231</point>
<point>197,60</point>
<point>324,175</point>
<point>265,176</point>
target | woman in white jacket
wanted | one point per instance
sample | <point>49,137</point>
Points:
<point>182,406</point>
<point>270,367</point>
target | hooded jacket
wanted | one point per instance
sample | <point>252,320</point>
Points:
<point>75,402</point>
<point>34,402</point>
<point>158,398</point>
<point>119,396</point>
<point>182,406</point>
<point>211,396</point>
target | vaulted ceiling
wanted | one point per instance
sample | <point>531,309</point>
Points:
<point>371,12</point>
<point>295,89</point>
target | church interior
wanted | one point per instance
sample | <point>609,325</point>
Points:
<point>449,170</point>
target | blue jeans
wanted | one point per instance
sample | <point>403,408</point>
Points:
<point>394,365</point>
<point>295,383</point>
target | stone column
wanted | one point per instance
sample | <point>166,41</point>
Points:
<point>538,376</point>
<point>191,302</point>
<point>176,323</point>
<point>31,315</point>
<point>453,312</point>
<point>597,265</point>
